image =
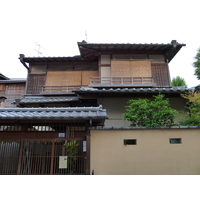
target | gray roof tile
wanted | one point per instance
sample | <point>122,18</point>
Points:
<point>133,90</point>
<point>42,99</point>
<point>54,113</point>
<point>14,80</point>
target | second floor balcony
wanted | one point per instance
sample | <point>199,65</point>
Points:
<point>102,82</point>
<point>121,81</point>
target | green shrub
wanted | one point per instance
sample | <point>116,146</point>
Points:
<point>143,112</point>
<point>193,107</point>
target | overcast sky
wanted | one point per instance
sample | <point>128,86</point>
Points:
<point>58,25</point>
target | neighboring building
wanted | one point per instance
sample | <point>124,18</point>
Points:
<point>11,89</point>
<point>65,101</point>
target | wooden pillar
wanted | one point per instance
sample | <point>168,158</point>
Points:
<point>88,153</point>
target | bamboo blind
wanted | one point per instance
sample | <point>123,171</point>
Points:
<point>57,78</point>
<point>135,68</point>
<point>86,76</point>
<point>120,68</point>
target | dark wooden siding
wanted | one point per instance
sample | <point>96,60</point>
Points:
<point>160,74</point>
<point>73,66</point>
<point>2,93</point>
<point>35,83</point>
<point>12,92</point>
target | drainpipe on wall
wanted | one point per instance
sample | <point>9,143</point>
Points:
<point>21,58</point>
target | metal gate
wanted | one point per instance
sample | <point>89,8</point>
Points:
<point>42,157</point>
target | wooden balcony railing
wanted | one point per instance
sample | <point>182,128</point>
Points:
<point>121,81</point>
<point>102,82</point>
<point>59,89</point>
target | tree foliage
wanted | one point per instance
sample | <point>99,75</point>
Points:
<point>178,81</point>
<point>72,152</point>
<point>193,106</point>
<point>196,64</point>
<point>72,148</point>
<point>143,112</point>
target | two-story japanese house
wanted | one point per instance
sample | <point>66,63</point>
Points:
<point>65,96</point>
<point>103,74</point>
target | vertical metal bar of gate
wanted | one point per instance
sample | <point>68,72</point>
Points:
<point>20,157</point>
<point>52,157</point>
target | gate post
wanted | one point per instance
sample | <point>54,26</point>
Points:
<point>52,156</point>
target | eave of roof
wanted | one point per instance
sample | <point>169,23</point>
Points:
<point>92,49</point>
<point>52,59</point>
<point>17,80</point>
<point>31,99</point>
<point>2,77</point>
<point>133,90</point>
<point>65,113</point>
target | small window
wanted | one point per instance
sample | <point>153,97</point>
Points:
<point>130,142</point>
<point>175,140</point>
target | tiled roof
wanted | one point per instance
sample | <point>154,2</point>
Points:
<point>65,113</point>
<point>2,77</point>
<point>91,49</point>
<point>133,90</point>
<point>128,44</point>
<point>14,80</point>
<point>52,59</point>
<point>42,99</point>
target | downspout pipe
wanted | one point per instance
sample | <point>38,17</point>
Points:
<point>21,58</point>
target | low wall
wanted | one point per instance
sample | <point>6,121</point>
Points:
<point>153,154</point>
